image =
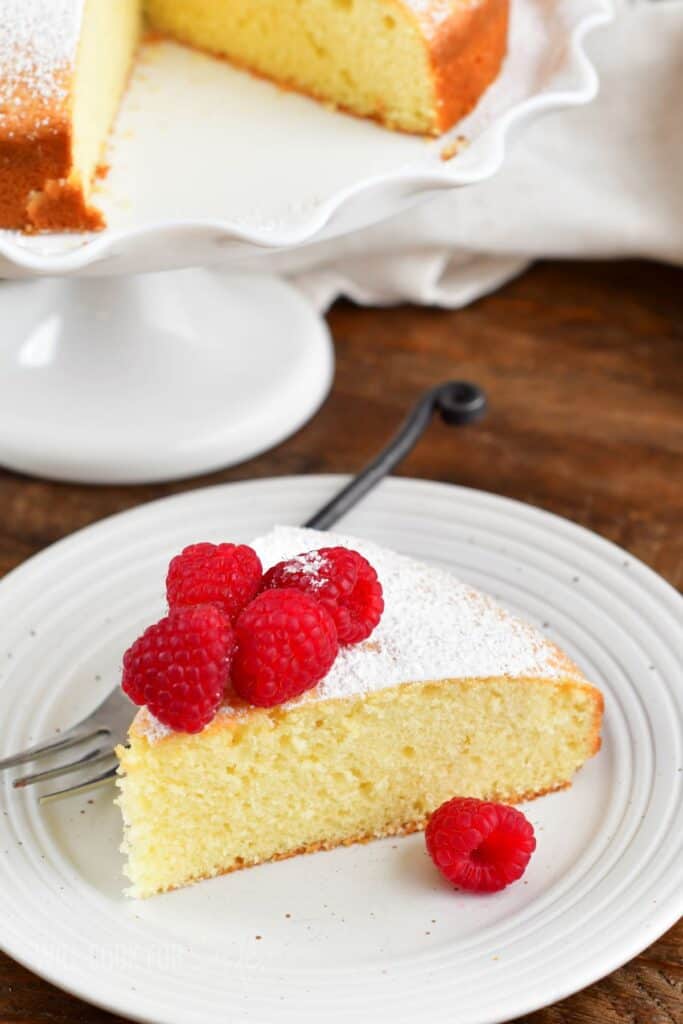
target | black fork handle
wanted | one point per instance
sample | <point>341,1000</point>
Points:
<point>457,402</point>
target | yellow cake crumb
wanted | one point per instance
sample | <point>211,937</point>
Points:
<point>455,146</point>
<point>275,782</point>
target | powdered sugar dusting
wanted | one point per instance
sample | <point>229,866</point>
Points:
<point>433,13</point>
<point>149,726</point>
<point>309,563</point>
<point>38,39</point>
<point>433,627</point>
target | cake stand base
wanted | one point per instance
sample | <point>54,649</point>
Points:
<point>154,377</point>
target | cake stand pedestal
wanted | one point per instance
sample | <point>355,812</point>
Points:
<point>149,377</point>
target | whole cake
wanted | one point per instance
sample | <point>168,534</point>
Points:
<point>414,65</point>
<point>449,696</point>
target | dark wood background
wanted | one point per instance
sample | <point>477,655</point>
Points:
<point>584,368</point>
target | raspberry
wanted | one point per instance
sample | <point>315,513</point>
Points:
<point>479,846</point>
<point>227,575</point>
<point>286,643</point>
<point>180,666</point>
<point>343,581</point>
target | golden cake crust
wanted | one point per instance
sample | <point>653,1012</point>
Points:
<point>37,189</point>
<point>467,43</point>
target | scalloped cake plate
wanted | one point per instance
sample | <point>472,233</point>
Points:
<point>211,164</point>
<point>368,931</point>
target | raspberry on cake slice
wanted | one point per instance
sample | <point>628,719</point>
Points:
<point>340,579</point>
<point>286,643</point>
<point>227,575</point>
<point>179,667</point>
<point>320,742</point>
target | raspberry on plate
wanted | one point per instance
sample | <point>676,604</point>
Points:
<point>479,846</point>
<point>286,643</point>
<point>343,581</point>
<point>180,666</point>
<point>227,575</point>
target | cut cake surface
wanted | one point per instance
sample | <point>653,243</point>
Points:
<point>451,695</point>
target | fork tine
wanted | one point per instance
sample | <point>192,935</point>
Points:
<point>83,787</point>
<point>92,757</point>
<point>65,741</point>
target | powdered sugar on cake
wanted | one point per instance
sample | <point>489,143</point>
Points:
<point>434,627</point>
<point>38,40</point>
<point>309,563</point>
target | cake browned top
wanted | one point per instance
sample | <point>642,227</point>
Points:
<point>38,43</point>
<point>434,627</point>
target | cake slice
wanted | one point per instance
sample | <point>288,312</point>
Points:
<point>415,65</point>
<point>451,695</point>
<point>63,67</point>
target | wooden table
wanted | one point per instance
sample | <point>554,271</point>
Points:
<point>584,368</point>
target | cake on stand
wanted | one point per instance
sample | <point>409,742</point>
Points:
<point>121,362</point>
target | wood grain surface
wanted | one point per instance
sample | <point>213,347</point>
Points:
<point>583,364</point>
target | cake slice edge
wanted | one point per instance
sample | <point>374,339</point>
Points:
<point>270,784</point>
<point>60,90</point>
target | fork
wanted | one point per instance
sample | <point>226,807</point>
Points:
<point>457,402</point>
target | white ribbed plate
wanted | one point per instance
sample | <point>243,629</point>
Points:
<point>373,933</point>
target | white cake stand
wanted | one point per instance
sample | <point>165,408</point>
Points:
<point>111,373</point>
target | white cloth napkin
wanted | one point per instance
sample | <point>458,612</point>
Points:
<point>603,180</point>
